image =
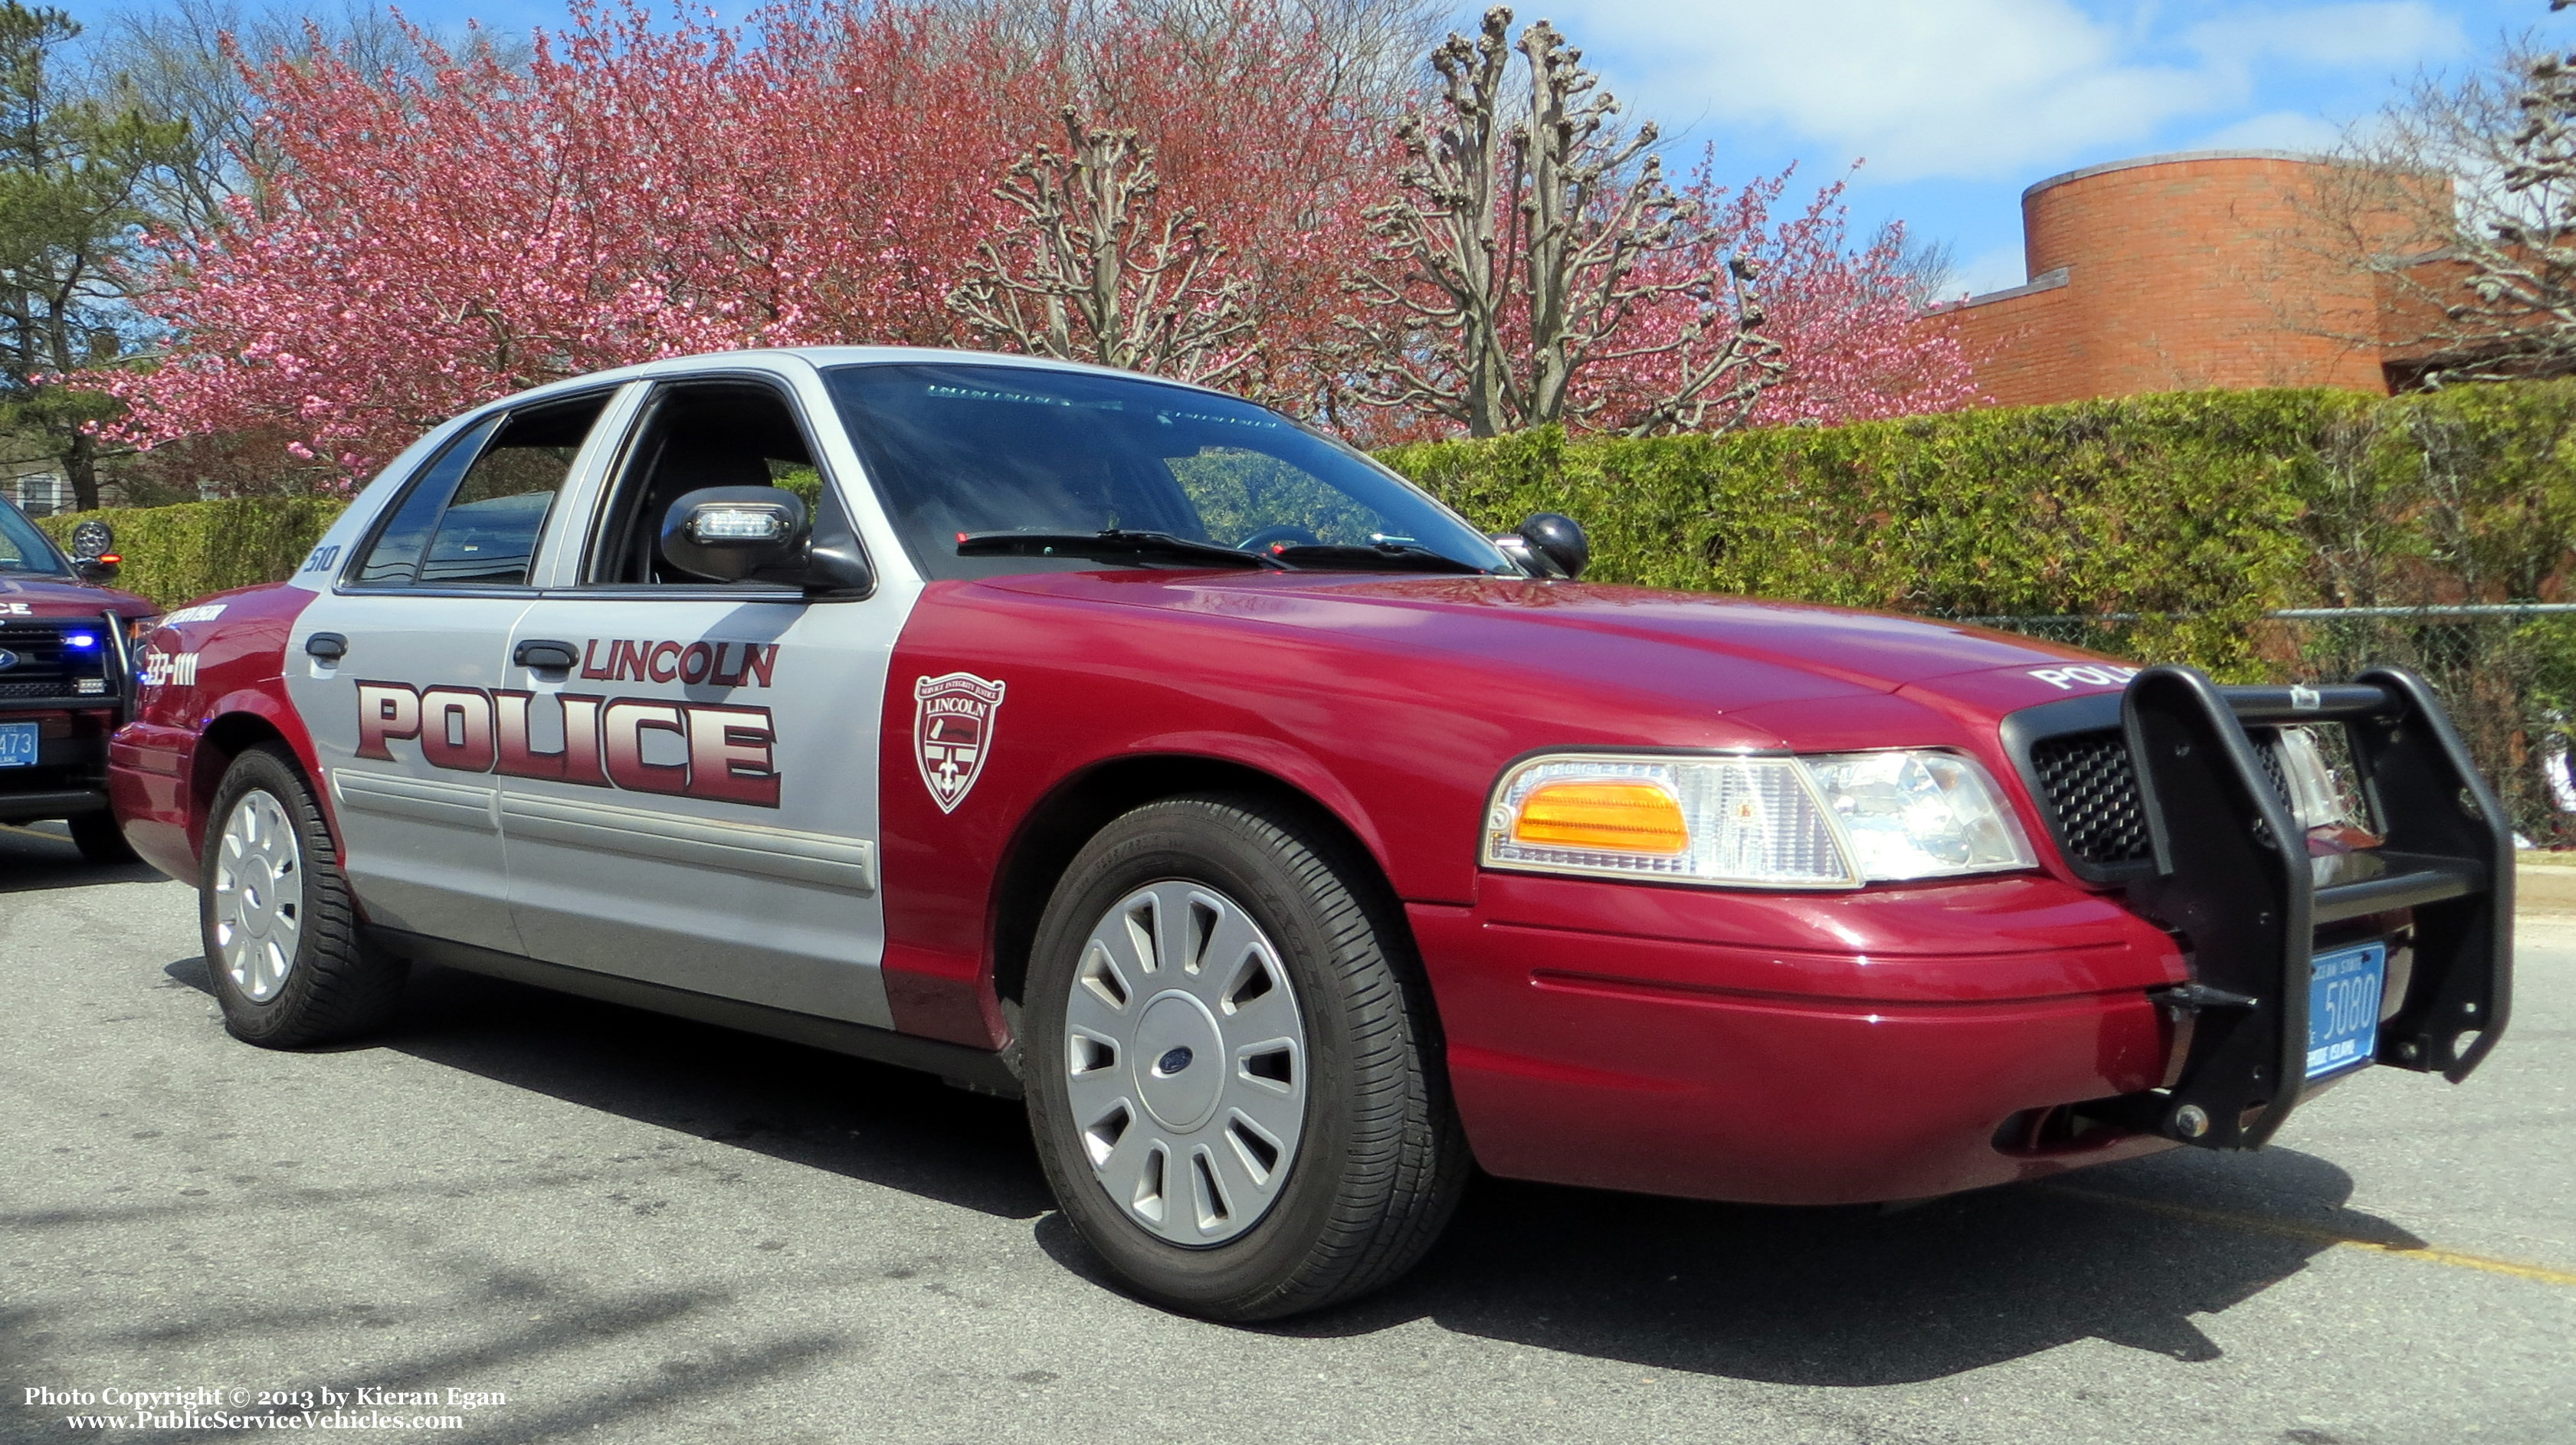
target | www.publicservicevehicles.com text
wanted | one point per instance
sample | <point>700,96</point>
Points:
<point>210,1407</point>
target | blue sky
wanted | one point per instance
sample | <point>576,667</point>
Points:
<point>1956,105</point>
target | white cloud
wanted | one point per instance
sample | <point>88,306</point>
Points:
<point>1999,269</point>
<point>1970,89</point>
<point>2278,130</point>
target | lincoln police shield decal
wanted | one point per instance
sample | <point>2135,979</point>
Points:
<point>952,730</point>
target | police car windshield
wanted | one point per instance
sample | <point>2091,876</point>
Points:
<point>23,549</point>
<point>963,449</point>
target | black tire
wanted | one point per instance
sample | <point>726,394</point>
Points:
<point>335,986</point>
<point>1382,1160</point>
<point>100,841</point>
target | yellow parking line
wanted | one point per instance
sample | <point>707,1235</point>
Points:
<point>2320,1234</point>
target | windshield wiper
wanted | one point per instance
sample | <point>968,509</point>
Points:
<point>1114,542</point>
<point>1382,557</point>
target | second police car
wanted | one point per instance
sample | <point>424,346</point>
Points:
<point>1288,844</point>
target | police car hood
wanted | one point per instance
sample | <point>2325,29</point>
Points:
<point>1709,652</point>
<point>25,596</point>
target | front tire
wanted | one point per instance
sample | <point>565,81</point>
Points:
<point>1232,1063</point>
<point>281,937</point>
<point>100,841</point>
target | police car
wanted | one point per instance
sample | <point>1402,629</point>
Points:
<point>1288,844</point>
<point>64,678</point>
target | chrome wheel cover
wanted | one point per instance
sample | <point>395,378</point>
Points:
<point>1185,1063</point>
<point>259,896</point>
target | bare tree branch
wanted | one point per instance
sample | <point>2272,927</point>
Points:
<point>1532,232</point>
<point>1089,272</point>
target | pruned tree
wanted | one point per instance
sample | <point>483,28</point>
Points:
<point>2460,199</point>
<point>1529,233</point>
<point>1092,266</point>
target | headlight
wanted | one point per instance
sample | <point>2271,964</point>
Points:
<point>1831,821</point>
<point>139,628</point>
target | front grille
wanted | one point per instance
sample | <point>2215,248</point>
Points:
<point>47,666</point>
<point>2086,782</point>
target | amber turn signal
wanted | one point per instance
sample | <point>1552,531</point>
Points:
<point>1613,816</point>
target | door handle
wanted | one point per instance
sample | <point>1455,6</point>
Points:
<point>544,656</point>
<point>328,646</point>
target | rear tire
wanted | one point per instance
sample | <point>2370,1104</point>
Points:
<point>281,937</point>
<point>1324,1158</point>
<point>100,841</point>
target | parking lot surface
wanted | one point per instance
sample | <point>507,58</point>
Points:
<point>631,1228</point>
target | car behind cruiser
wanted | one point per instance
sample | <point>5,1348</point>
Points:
<point>65,681</point>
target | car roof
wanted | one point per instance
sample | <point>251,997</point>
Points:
<point>822,356</point>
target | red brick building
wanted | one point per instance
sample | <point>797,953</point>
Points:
<point>2171,272</point>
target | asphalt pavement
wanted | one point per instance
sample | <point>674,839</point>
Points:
<point>592,1223</point>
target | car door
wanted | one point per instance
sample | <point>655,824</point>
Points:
<point>400,659</point>
<point>688,769</point>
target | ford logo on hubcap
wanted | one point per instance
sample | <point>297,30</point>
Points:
<point>1172,1062</point>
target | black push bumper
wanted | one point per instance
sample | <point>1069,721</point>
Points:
<point>2232,880</point>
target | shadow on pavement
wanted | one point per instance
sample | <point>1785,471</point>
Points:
<point>42,857</point>
<point>866,1121</point>
<point>1792,1296</point>
<point>1865,1296</point>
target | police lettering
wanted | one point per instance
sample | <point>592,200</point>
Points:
<point>715,664</point>
<point>726,751</point>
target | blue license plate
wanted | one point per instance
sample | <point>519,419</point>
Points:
<point>2343,1008</point>
<point>17,745</point>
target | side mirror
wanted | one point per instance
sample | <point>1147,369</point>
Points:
<point>1559,538</point>
<point>94,551</point>
<point>729,533</point>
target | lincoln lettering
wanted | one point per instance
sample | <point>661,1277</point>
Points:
<point>717,664</point>
<point>723,752</point>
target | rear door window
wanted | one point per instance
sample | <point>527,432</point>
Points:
<point>475,516</point>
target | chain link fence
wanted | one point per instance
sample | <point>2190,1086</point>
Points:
<point>2506,671</point>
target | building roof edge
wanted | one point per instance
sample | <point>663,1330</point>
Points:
<point>2166,158</point>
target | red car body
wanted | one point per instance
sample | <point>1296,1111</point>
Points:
<point>1777,1047</point>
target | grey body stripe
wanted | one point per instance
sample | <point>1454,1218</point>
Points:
<point>421,800</point>
<point>735,847</point>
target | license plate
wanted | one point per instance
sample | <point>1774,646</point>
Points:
<point>2343,1008</point>
<point>17,745</point>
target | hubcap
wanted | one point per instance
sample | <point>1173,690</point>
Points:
<point>1185,1061</point>
<point>259,896</point>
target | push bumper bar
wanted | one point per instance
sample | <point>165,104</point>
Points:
<point>2233,881</point>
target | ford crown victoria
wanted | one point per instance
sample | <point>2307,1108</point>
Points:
<point>65,679</point>
<point>1289,845</point>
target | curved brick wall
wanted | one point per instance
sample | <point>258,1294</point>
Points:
<point>2174,272</point>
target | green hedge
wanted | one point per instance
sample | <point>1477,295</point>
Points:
<point>173,554</point>
<point>2198,510</point>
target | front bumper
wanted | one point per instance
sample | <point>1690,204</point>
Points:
<point>1817,1049</point>
<point>69,777</point>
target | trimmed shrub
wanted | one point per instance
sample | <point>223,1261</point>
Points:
<point>175,554</point>
<point>2172,522</point>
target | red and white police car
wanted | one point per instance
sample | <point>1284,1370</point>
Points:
<point>1287,843</point>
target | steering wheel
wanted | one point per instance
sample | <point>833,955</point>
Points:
<point>1268,537</point>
